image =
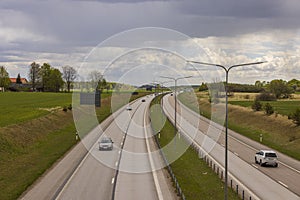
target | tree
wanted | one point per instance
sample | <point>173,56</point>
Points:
<point>295,117</point>
<point>203,87</point>
<point>44,77</point>
<point>256,106</point>
<point>102,84</point>
<point>34,74</point>
<point>96,77</point>
<point>294,83</point>
<point>280,88</point>
<point>18,81</point>
<point>268,109</point>
<point>55,80</point>
<point>69,74</point>
<point>4,78</point>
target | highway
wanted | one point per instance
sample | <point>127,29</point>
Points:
<point>265,182</point>
<point>123,173</point>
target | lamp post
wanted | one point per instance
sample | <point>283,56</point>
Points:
<point>226,114</point>
<point>175,98</point>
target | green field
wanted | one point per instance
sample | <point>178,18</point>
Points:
<point>195,177</point>
<point>19,107</point>
<point>281,107</point>
<point>278,131</point>
<point>32,139</point>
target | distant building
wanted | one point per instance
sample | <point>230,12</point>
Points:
<point>23,86</point>
<point>14,80</point>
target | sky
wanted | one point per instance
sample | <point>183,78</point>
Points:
<point>138,41</point>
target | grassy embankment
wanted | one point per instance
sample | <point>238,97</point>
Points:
<point>278,132</point>
<point>195,177</point>
<point>34,133</point>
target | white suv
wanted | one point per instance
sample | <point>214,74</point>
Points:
<point>266,157</point>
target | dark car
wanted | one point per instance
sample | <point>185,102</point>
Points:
<point>143,100</point>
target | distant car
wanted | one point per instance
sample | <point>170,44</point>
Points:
<point>143,100</point>
<point>266,157</point>
<point>106,144</point>
<point>128,108</point>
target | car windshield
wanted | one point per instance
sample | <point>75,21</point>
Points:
<point>273,155</point>
<point>105,140</point>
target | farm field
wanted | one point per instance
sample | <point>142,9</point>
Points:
<point>17,107</point>
<point>278,131</point>
<point>32,139</point>
<point>283,107</point>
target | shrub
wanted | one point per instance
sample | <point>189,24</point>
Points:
<point>65,108</point>
<point>70,107</point>
<point>256,106</point>
<point>265,96</point>
<point>268,109</point>
<point>295,116</point>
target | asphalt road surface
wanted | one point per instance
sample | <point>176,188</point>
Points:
<point>123,173</point>
<point>266,182</point>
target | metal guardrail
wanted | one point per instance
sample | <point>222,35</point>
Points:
<point>177,186</point>
<point>242,190</point>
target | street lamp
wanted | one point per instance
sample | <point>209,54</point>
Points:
<point>175,97</point>
<point>226,110</point>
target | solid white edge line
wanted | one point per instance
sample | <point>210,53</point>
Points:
<point>254,166</point>
<point>75,172</point>
<point>154,173</point>
<point>229,173</point>
<point>283,184</point>
<point>236,139</point>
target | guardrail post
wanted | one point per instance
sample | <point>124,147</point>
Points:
<point>237,189</point>
<point>231,183</point>
<point>243,196</point>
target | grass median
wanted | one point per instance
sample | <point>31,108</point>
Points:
<point>195,177</point>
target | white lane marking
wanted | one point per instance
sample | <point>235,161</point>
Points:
<point>247,145</point>
<point>72,176</point>
<point>113,180</point>
<point>116,163</point>
<point>283,184</point>
<point>254,166</point>
<point>154,173</point>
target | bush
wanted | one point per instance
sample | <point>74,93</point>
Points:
<point>70,107</point>
<point>256,106</point>
<point>268,109</point>
<point>265,96</point>
<point>295,117</point>
<point>65,108</point>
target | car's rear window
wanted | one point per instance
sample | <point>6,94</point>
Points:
<point>273,155</point>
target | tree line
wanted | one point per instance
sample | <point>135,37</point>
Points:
<point>45,78</point>
<point>275,89</point>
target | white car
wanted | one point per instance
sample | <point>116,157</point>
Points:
<point>266,157</point>
<point>128,108</point>
<point>106,144</point>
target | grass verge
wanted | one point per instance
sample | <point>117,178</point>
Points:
<point>29,147</point>
<point>278,132</point>
<point>195,177</point>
